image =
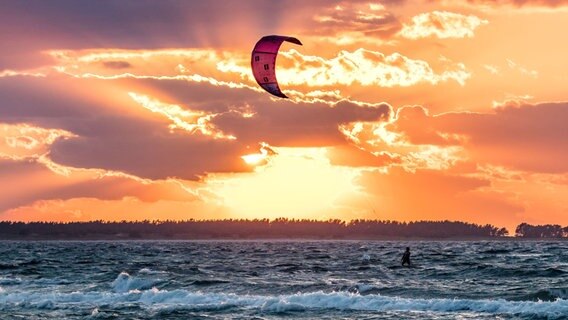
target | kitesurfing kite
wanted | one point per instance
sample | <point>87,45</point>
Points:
<point>263,62</point>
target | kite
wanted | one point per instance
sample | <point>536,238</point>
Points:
<point>263,62</point>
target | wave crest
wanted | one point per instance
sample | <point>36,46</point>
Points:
<point>185,299</point>
<point>125,282</point>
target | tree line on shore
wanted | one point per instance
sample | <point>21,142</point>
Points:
<point>548,231</point>
<point>265,228</point>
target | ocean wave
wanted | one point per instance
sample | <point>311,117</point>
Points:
<point>512,271</point>
<point>7,266</point>
<point>208,282</point>
<point>496,251</point>
<point>16,265</point>
<point>125,282</point>
<point>318,257</point>
<point>345,301</point>
<point>10,281</point>
<point>150,271</point>
<point>547,295</point>
<point>364,289</point>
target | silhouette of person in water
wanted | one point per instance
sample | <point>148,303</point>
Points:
<point>406,257</point>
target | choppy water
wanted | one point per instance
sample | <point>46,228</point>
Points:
<point>277,279</point>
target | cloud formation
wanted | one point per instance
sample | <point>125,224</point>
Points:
<point>21,141</point>
<point>76,183</point>
<point>354,18</point>
<point>214,23</point>
<point>140,141</point>
<point>192,121</point>
<point>520,137</point>
<point>442,24</point>
<point>364,67</point>
<point>522,3</point>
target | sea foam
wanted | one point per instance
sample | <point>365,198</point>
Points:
<point>196,300</point>
<point>125,282</point>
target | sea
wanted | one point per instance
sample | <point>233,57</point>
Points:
<point>283,280</point>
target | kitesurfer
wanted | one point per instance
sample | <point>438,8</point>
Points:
<point>406,257</point>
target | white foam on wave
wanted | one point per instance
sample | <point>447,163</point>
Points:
<point>125,282</point>
<point>150,271</point>
<point>184,299</point>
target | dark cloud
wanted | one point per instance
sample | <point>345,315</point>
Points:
<point>33,26</point>
<point>152,155</point>
<point>22,99</point>
<point>280,122</point>
<point>289,124</point>
<point>145,146</point>
<point>108,137</point>
<point>29,27</point>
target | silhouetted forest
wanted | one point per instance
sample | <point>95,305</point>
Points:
<point>525,230</point>
<point>248,229</point>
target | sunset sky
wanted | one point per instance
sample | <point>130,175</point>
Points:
<point>400,110</point>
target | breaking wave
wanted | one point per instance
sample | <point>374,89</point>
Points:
<point>282,280</point>
<point>125,282</point>
<point>201,301</point>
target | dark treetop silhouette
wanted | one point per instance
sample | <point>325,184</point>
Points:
<point>544,231</point>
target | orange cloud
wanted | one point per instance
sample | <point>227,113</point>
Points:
<point>159,62</point>
<point>378,139</point>
<point>519,136</point>
<point>56,182</point>
<point>364,67</point>
<point>27,73</point>
<point>139,141</point>
<point>298,71</point>
<point>523,70</point>
<point>192,121</point>
<point>18,141</point>
<point>354,156</point>
<point>442,24</point>
<point>356,20</point>
<point>521,3</point>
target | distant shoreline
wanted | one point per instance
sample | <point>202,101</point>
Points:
<point>278,229</point>
<point>274,239</point>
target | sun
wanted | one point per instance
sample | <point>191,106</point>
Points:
<point>293,183</point>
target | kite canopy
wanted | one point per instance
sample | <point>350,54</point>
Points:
<point>263,62</point>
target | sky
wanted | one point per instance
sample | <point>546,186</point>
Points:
<point>398,110</point>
